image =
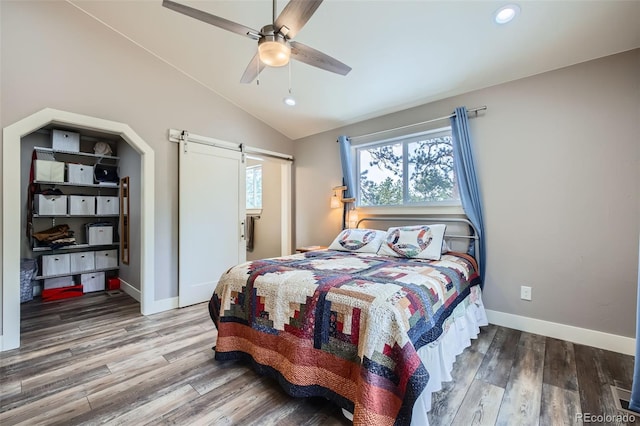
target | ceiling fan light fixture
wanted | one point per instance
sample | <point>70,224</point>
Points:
<point>274,54</point>
<point>273,49</point>
<point>275,45</point>
<point>290,101</point>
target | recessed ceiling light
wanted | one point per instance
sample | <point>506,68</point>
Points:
<point>506,13</point>
<point>289,101</point>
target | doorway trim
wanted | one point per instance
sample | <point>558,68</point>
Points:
<point>11,231</point>
<point>286,225</point>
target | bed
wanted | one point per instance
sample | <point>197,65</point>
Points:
<point>375,332</point>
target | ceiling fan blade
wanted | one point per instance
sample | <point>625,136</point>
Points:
<point>294,16</point>
<point>225,24</point>
<point>253,69</point>
<point>313,57</point>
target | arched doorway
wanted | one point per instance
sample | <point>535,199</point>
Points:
<point>11,191</point>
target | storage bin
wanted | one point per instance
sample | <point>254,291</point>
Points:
<point>56,264</point>
<point>50,205</point>
<point>59,282</point>
<point>61,293</point>
<point>82,261</point>
<point>107,205</point>
<point>99,235</point>
<point>92,282</point>
<point>80,173</point>
<point>82,205</point>
<point>28,268</point>
<point>106,259</point>
<point>62,140</point>
<point>113,283</point>
<point>48,171</point>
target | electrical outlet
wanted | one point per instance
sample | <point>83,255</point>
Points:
<point>525,292</point>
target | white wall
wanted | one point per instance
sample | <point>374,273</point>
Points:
<point>558,157</point>
<point>55,56</point>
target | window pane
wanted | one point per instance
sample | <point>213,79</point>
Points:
<point>381,175</point>
<point>249,184</point>
<point>430,169</point>
<point>415,170</point>
<point>257,187</point>
<point>254,187</point>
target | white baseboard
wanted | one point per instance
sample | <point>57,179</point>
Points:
<point>130,290</point>
<point>156,307</point>
<point>583,336</point>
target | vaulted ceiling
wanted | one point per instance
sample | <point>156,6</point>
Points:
<point>403,53</point>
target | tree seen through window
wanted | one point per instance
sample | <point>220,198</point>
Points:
<point>416,170</point>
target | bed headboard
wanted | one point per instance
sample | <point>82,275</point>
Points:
<point>458,228</point>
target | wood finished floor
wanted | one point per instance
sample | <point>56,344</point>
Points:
<point>96,360</point>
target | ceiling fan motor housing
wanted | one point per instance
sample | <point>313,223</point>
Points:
<point>273,48</point>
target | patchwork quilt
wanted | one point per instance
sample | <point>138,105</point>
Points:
<point>342,325</point>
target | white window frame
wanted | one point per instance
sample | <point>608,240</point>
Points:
<point>435,207</point>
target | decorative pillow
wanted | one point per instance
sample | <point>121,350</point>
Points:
<point>358,240</point>
<point>421,242</point>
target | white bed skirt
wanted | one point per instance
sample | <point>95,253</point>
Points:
<point>438,357</point>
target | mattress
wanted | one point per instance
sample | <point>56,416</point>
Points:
<point>356,328</point>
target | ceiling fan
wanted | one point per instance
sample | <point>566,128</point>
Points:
<point>275,44</point>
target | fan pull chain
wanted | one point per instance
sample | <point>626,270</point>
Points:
<point>289,99</point>
<point>258,72</point>
<point>289,77</point>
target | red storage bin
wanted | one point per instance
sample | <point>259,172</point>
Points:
<point>61,293</point>
<point>113,283</point>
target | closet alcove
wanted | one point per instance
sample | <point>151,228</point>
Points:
<point>18,139</point>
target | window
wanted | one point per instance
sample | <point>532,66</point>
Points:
<point>254,187</point>
<point>414,170</point>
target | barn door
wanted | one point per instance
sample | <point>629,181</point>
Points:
<point>212,214</point>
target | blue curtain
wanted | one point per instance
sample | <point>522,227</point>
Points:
<point>467,180</point>
<point>347,176</point>
<point>634,403</point>
<point>345,158</point>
